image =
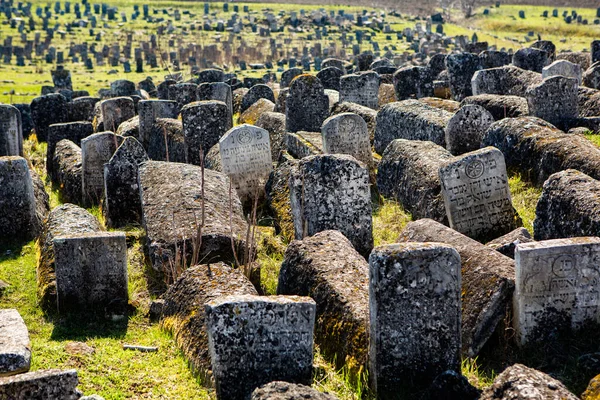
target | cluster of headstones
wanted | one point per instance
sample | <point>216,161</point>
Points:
<point>437,294</point>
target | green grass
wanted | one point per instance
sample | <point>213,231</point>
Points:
<point>524,198</point>
<point>389,218</point>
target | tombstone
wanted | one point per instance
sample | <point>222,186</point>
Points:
<point>149,111</point>
<point>204,123</point>
<point>307,105</point>
<point>531,59</point>
<point>595,51</point>
<point>288,75</point>
<point>413,82</point>
<point>11,131</point>
<point>46,110</point>
<point>563,68</point>
<point>494,59</point>
<point>554,100</point>
<point>281,328</point>
<point>476,195</point>
<point>210,76</point>
<point>96,150</point>
<point>461,68</point>
<point>415,318</point>
<point>91,273</point>
<point>183,93</point>
<point>220,91</point>
<point>347,133</point>
<point>466,129</point>
<point>163,88</point>
<point>246,158</point>
<point>115,111</point>
<point>73,131</point>
<point>330,77</point>
<point>331,191</point>
<point>122,204</point>
<point>361,88</point>
<point>556,286</point>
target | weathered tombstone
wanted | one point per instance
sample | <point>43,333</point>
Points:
<point>307,105</point>
<point>122,204</point>
<point>281,328</point>
<point>183,93</point>
<point>413,82</point>
<point>204,123</point>
<point>91,272</point>
<point>62,78</point>
<point>246,158</point>
<point>322,188</point>
<point>73,131</point>
<point>461,68</point>
<point>362,88</point>
<point>41,384</point>
<point>595,51</point>
<point>563,68</point>
<point>531,59</point>
<point>288,75</point>
<point>347,133</point>
<point>11,132</point>
<point>256,92</point>
<point>415,304</point>
<point>115,111</point>
<point>210,76</point>
<point>220,91</point>
<point>466,129</point>
<point>82,108</point>
<point>507,80</point>
<point>96,150</point>
<point>330,77</point>
<point>556,287</point>
<point>46,110</point>
<point>122,87</point>
<point>477,196</point>
<point>149,111</point>
<point>15,347</point>
<point>554,100</point>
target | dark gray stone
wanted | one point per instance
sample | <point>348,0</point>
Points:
<point>466,129</point>
<point>82,108</point>
<point>506,244</point>
<point>73,131</point>
<point>307,106</point>
<point>15,347</point>
<point>494,59</point>
<point>167,134</point>
<point>330,77</point>
<point>274,123</point>
<point>500,106</point>
<point>531,59</point>
<point>256,92</point>
<point>47,110</point>
<point>122,87</point>
<point>361,88</point>
<point>96,150</point>
<point>554,100</point>
<point>183,93</point>
<point>51,384</point>
<point>413,82</point>
<point>68,166</point>
<point>507,80</point>
<point>288,391</point>
<point>368,114</point>
<point>115,111</point>
<point>204,123</point>
<point>11,131</point>
<point>451,385</point>
<point>149,111</point>
<point>461,68</point>
<point>288,75</point>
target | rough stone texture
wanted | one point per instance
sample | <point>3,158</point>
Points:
<point>588,102</point>
<point>347,133</point>
<point>66,219</point>
<point>592,392</point>
<point>521,382</point>
<point>307,105</point>
<point>163,88</point>
<point>331,191</point>
<point>211,75</point>
<point>577,57</point>
<point>413,82</point>
<point>15,347</point>
<point>556,287</point>
<point>11,131</point>
<point>591,77</point>
<point>451,385</point>
<point>183,312</point>
<point>531,59</point>
<point>547,46</point>
<point>82,108</point>
<point>330,77</point>
<point>414,302</point>
<point>408,173</point>
<point>47,110</point>
<point>253,113</point>
<point>487,280</point>
<point>369,115</point>
<point>327,268</point>
<point>256,92</point>
<point>274,123</point>
<point>288,75</point>
<point>96,150</point>
<point>568,207</point>
<point>563,68</point>
<point>444,104</point>
<point>281,100</point>
<point>386,95</point>
<point>288,391</point>
<point>500,106</point>
<point>149,111</point>
<point>50,384</point>
<point>204,122</point>
<point>553,100</point>
<point>506,244</point>
<point>174,141</point>
<point>410,119</point>
<point>183,93</point>
<point>130,128</point>
<point>122,87</point>
<point>303,144</point>
<point>172,210</point>
<point>216,91</point>
<point>73,131</point>
<point>26,120</point>
<point>466,129</point>
<point>278,196</point>
<point>494,59</point>
<point>68,166</point>
<point>507,80</point>
<point>361,88</point>
<point>282,329</point>
<point>538,149</point>
<point>461,68</point>
<point>115,111</point>
<point>213,159</point>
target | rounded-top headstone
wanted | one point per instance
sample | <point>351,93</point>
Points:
<point>256,92</point>
<point>288,75</point>
<point>466,129</point>
<point>307,105</point>
<point>347,133</point>
<point>330,77</point>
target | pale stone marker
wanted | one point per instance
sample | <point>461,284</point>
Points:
<point>91,272</point>
<point>557,285</point>
<point>362,88</point>
<point>11,131</point>
<point>255,340</point>
<point>246,158</point>
<point>150,111</point>
<point>415,313</point>
<point>347,133</point>
<point>477,196</point>
<point>554,100</point>
<point>15,347</point>
<point>563,68</point>
<point>115,111</point>
<point>96,150</point>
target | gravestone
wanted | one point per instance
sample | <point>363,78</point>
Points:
<point>122,87</point>
<point>256,92</point>
<point>11,132</point>
<point>115,111</point>
<point>347,133</point>
<point>82,108</point>
<point>331,191</point>
<point>204,123</point>
<point>122,204</point>
<point>210,76</point>
<point>554,100</point>
<point>281,330</point>
<point>46,110</point>
<point>306,105</point>
<point>246,158</point>
<point>466,129</point>
<point>477,196</point>
<point>461,68</point>
<point>362,88</point>
<point>91,272</point>
<point>183,93</point>
<point>216,91</point>
<point>563,68</point>
<point>557,286</point>
<point>73,131</point>
<point>96,150</point>
<point>415,303</point>
<point>330,77</point>
<point>149,111</point>
<point>288,75</point>
<point>595,51</point>
<point>62,78</point>
<point>531,59</point>
<point>413,82</point>
<point>15,346</point>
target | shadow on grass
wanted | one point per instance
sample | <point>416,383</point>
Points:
<point>81,328</point>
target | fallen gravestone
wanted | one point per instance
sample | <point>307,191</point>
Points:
<point>42,384</point>
<point>507,80</point>
<point>67,164</point>
<point>15,347</point>
<point>500,106</point>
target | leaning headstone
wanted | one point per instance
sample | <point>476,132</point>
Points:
<point>347,133</point>
<point>307,105</point>
<point>15,347</point>
<point>256,92</point>
<point>73,131</point>
<point>477,196</point>
<point>595,51</point>
<point>280,326</point>
<point>415,304</point>
<point>554,100</point>
<point>149,111</point>
<point>42,384</point>
<point>461,68</point>
<point>11,132</point>
<point>466,129</point>
<point>563,68</point>
<point>46,110</point>
<point>122,204</point>
<point>115,111</point>
<point>322,188</point>
<point>246,158</point>
<point>204,123</point>
<point>96,150</point>
<point>91,272</point>
<point>531,59</point>
<point>361,88</point>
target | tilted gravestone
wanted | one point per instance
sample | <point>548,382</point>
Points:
<point>246,158</point>
<point>307,105</point>
<point>204,123</point>
<point>361,88</point>
<point>466,129</point>
<point>115,111</point>
<point>91,272</point>
<point>415,303</point>
<point>122,204</point>
<point>531,59</point>
<point>73,131</point>
<point>149,111</point>
<point>256,92</point>
<point>11,131</point>
<point>281,330</point>
<point>96,150</point>
<point>461,68</point>
<point>46,110</point>
<point>330,77</point>
<point>347,133</point>
<point>15,346</point>
<point>554,100</point>
<point>557,286</point>
<point>216,91</point>
<point>331,191</point>
<point>477,196</point>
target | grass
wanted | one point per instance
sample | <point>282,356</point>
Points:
<point>524,198</point>
<point>389,218</point>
